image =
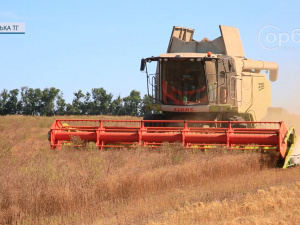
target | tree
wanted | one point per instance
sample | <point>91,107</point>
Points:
<point>61,105</point>
<point>3,101</point>
<point>88,105</point>
<point>101,101</point>
<point>13,106</point>
<point>77,104</point>
<point>116,107</point>
<point>132,104</point>
<point>31,101</point>
<point>145,101</point>
<point>48,96</point>
<point>50,101</point>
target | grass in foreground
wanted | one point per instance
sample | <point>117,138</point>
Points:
<point>137,186</point>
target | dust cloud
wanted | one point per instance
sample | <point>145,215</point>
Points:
<point>275,114</point>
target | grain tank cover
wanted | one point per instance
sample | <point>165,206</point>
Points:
<point>180,33</point>
<point>229,43</point>
<point>232,41</point>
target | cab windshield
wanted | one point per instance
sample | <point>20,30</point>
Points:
<point>183,82</point>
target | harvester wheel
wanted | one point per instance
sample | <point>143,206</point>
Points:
<point>238,119</point>
<point>155,117</point>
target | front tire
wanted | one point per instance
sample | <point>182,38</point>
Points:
<point>155,117</point>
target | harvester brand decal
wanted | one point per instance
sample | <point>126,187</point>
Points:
<point>172,108</point>
<point>261,86</point>
<point>183,109</point>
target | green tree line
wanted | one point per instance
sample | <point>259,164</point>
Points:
<point>50,101</point>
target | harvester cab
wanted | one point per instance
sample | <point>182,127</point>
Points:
<point>206,95</point>
<point>208,80</point>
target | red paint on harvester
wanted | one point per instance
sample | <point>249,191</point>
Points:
<point>192,134</point>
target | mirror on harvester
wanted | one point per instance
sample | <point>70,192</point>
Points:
<point>143,64</point>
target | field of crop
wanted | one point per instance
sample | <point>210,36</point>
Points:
<point>171,185</point>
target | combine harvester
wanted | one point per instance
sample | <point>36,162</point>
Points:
<point>206,95</point>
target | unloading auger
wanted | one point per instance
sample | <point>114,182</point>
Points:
<point>206,95</point>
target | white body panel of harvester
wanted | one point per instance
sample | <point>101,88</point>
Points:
<point>247,89</point>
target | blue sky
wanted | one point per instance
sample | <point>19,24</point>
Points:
<point>74,45</point>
